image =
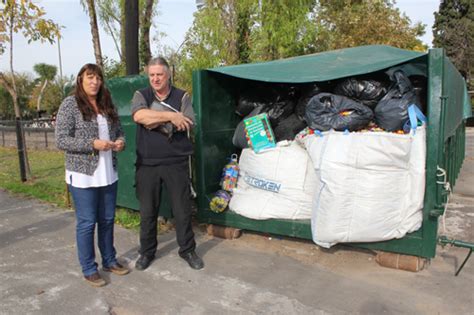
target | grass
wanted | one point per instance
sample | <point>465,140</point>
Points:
<point>47,182</point>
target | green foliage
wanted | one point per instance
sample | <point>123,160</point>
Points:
<point>45,71</point>
<point>111,15</point>
<point>6,105</point>
<point>453,30</point>
<point>286,30</point>
<point>113,68</point>
<point>26,17</point>
<point>25,85</point>
<point>350,23</point>
<point>128,218</point>
<point>228,32</point>
<point>51,98</point>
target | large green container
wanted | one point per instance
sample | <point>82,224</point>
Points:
<point>215,94</point>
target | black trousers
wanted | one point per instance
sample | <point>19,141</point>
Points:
<point>149,180</point>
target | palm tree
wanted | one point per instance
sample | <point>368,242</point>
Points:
<point>89,7</point>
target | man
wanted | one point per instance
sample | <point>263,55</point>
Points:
<point>164,115</point>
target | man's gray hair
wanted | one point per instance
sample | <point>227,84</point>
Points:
<point>161,62</point>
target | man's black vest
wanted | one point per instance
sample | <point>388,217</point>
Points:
<point>153,147</point>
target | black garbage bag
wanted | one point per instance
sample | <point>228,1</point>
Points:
<point>245,106</point>
<point>367,92</point>
<point>279,111</point>
<point>288,128</point>
<point>239,139</point>
<point>420,85</point>
<point>328,111</point>
<point>307,93</point>
<point>263,93</point>
<point>391,113</point>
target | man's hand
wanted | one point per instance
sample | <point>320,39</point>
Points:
<point>180,121</point>
<point>152,126</point>
<point>103,145</point>
<point>118,145</point>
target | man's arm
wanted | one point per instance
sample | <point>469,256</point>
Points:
<point>149,118</point>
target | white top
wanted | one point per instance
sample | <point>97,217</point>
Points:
<point>104,174</point>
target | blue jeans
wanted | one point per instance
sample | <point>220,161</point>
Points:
<point>95,205</point>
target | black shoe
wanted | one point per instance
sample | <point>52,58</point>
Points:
<point>143,262</point>
<point>193,260</point>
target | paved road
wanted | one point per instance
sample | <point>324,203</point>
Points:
<point>254,274</point>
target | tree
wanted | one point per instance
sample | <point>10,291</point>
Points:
<point>350,23</point>
<point>50,99</point>
<point>111,15</point>
<point>25,17</point>
<point>24,84</point>
<point>145,25</point>
<point>286,29</point>
<point>89,6</point>
<point>216,37</point>
<point>228,32</point>
<point>453,30</point>
<point>46,74</point>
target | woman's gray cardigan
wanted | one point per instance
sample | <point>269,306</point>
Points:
<point>75,136</point>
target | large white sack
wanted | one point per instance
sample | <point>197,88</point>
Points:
<point>278,183</point>
<point>371,185</point>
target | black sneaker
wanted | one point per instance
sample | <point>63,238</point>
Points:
<point>143,262</point>
<point>193,260</point>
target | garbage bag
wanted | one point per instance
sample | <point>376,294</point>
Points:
<point>327,111</point>
<point>391,113</point>
<point>263,94</point>
<point>245,106</point>
<point>279,111</point>
<point>239,139</point>
<point>367,92</point>
<point>420,85</point>
<point>307,93</point>
<point>288,128</point>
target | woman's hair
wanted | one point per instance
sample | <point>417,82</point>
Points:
<point>104,100</point>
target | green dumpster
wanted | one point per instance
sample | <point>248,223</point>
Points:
<point>215,94</point>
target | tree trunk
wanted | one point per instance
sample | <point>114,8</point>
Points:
<point>12,89</point>
<point>25,170</point>
<point>40,96</point>
<point>60,67</point>
<point>95,32</point>
<point>122,34</point>
<point>119,52</point>
<point>145,32</point>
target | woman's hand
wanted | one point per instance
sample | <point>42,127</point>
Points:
<point>118,145</point>
<point>103,145</point>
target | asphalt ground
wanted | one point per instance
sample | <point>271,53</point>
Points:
<point>254,274</point>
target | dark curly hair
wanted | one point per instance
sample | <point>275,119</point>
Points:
<point>104,100</point>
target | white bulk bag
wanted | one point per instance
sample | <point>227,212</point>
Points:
<point>278,183</point>
<point>372,185</point>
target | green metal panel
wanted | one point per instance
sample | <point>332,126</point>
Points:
<point>122,90</point>
<point>323,66</point>
<point>215,95</point>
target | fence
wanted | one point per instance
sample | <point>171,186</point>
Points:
<point>35,137</point>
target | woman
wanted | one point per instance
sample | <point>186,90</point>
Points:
<point>89,131</point>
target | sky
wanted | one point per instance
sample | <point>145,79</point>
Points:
<point>174,19</point>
